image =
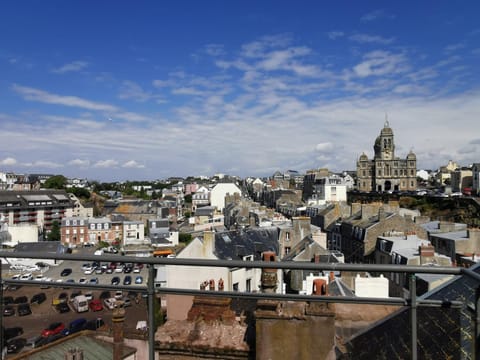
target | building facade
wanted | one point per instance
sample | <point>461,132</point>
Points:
<point>386,172</point>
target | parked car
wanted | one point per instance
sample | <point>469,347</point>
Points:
<point>24,310</point>
<point>8,310</point>
<point>94,281</point>
<point>115,280</point>
<point>62,308</point>
<point>75,326</point>
<point>38,298</point>
<point>126,302</point>
<point>10,333</point>
<point>36,342</point>
<point>118,295</point>
<point>89,271</point>
<point>21,300</point>
<point>109,271</point>
<point>63,297</point>
<point>127,280</point>
<point>53,329</point>
<point>15,345</point>
<point>7,300</point>
<point>94,324</point>
<point>82,280</point>
<point>99,270</point>
<point>139,280</point>
<point>26,277</point>
<point>66,272</point>
<point>89,296</point>
<point>95,305</point>
<point>110,303</point>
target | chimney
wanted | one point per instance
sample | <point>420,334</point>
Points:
<point>427,252</point>
<point>118,317</point>
<point>208,243</point>
<point>316,258</point>
<point>269,276</point>
<point>319,287</point>
<point>73,354</point>
<point>381,214</point>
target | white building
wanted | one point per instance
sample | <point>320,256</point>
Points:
<point>218,193</point>
<point>133,232</point>
<point>328,189</point>
<point>220,246</point>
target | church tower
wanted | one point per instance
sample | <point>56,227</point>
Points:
<point>386,172</point>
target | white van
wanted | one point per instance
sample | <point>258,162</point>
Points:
<point>80,303</point>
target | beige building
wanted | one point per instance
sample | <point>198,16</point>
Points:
<point>386,172</point>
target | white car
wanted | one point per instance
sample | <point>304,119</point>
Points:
<point>82,280</point>
<point>110,303</point>
<point>118,295</point>
<point>88,271</point>
<point>26,277</point>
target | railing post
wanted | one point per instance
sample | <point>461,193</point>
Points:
<point>151,313</point>
<point>413,314</point>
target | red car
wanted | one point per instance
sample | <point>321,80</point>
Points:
<point>95,305</point>
<point>53,329</point>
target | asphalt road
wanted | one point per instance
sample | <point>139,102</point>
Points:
<point>44,314</point>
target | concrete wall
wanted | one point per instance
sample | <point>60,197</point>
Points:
<point>23,233</point>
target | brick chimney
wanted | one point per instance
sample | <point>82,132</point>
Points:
<point>73,354</point>
<point>118,318</point>
<point>427,253</point>
<point>269,276</point>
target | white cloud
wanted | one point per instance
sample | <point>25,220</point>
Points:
<point>375,15</point>
<point>327,146</point>
<point>80,163</point>
<point>215,49</point>
<point>374,39</point>
<point>43,164</point>
<point>33,94</point>
<point>133,165</point>
<point>74,66</point>
<point>131,90</point>
<point>106,163</point>
<point>8,161</point>
<point>379,62</point>
<point>332,35</point>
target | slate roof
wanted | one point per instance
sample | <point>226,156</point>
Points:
<point>442,332</point>
<point>92,349</point>
<point>46,247</point>
<point>234,245</point>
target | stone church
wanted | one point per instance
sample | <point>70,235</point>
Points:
<point>386,172</point>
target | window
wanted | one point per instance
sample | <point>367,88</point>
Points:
<point>81,231</point>
<point>235,287</point>
<point>287,250</point>
<point>287,236</point>
<point>248,285</point>
<point>105,226</point>
<point>75,231</point>
<point>92,226</point>
<point>67,231</point>
<point>67,222</point>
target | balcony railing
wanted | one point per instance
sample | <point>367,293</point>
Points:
<point>413,301</point>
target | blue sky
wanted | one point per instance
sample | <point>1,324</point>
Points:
<point>119,90</point>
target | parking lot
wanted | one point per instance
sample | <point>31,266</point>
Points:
<point>45,313</point>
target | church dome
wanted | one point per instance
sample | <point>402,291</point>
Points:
<point>411,156</point>
<point>363,157</point>
<point>387,130</point>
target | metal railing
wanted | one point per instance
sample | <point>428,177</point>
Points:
<point>413,302</point>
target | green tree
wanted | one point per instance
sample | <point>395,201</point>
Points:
<point>184,237</point>
<point>79,192</point>
<point>55,182</point>
<point>54,234</point>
